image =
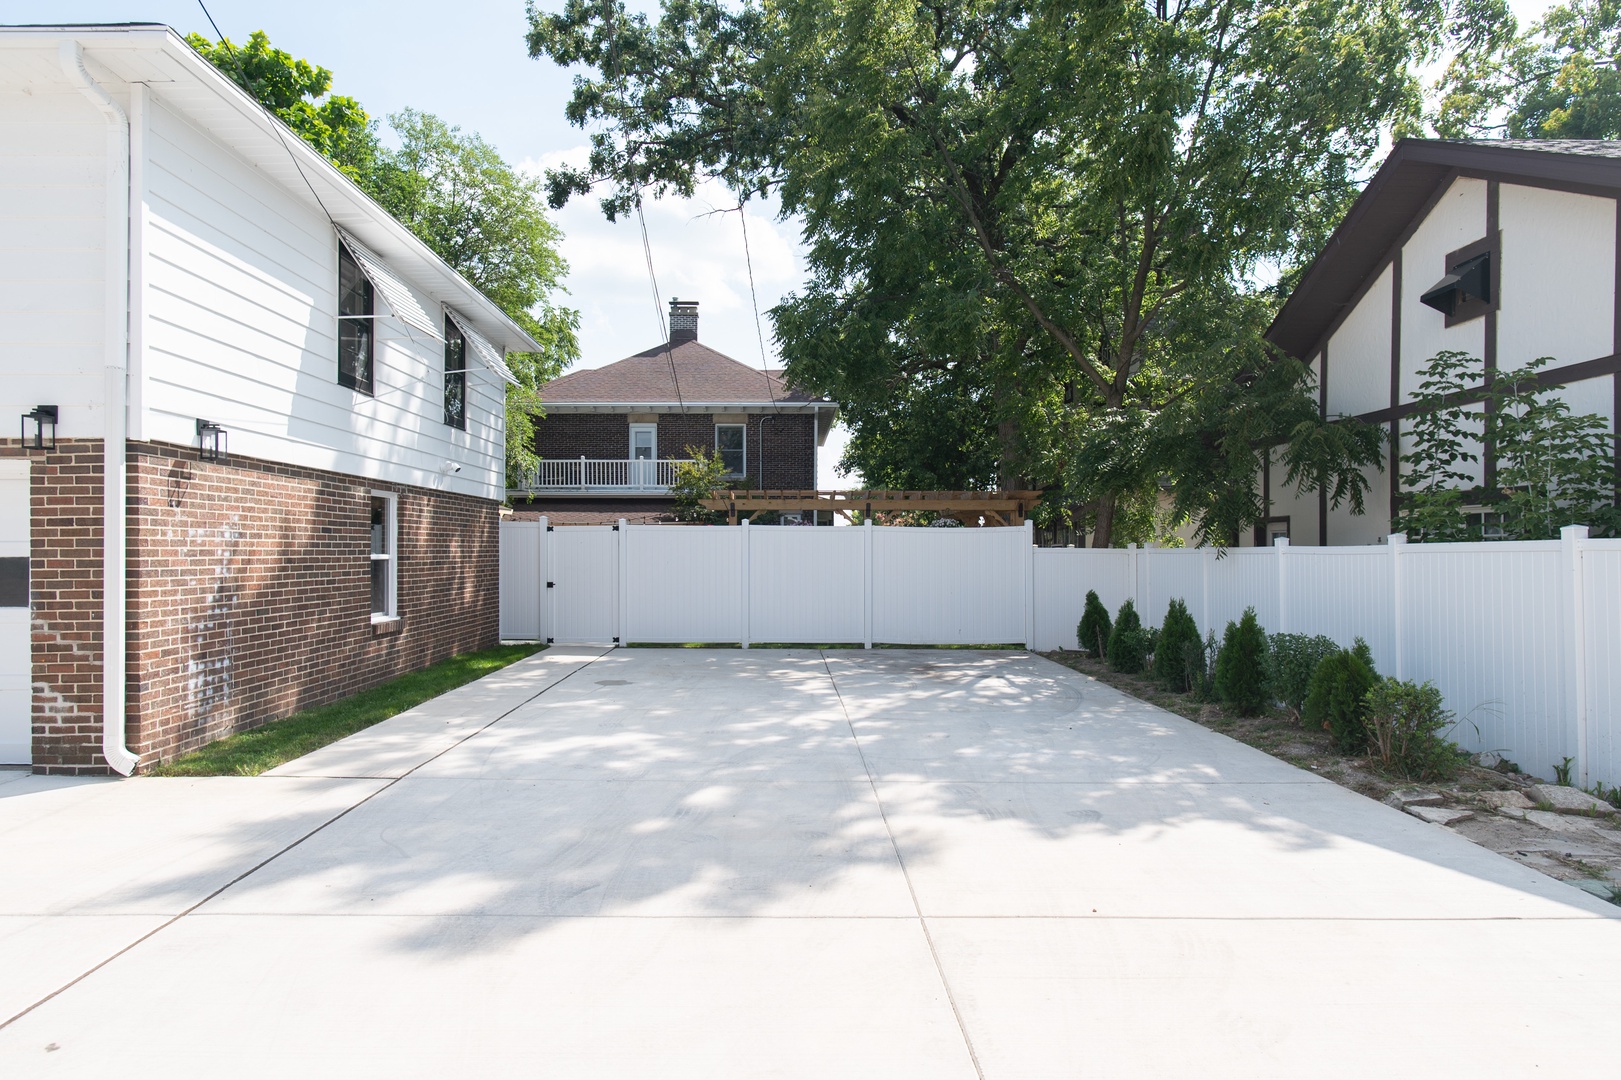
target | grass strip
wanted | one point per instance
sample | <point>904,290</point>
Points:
<point>250,753</point>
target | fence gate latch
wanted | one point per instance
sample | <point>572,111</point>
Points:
<point>551,584</point>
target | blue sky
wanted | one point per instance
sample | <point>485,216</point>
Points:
<point>467,63</point>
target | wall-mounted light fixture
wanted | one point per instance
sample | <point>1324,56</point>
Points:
<point>44,418</point>
<point>211,441</point>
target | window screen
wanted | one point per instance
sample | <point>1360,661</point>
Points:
<point>356,326</point>
<point>455,375</point>
<point>729,444</point>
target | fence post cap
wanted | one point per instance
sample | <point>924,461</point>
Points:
<point>1397,538</point>
<point>1573,532</point>
<point>1280,541</point>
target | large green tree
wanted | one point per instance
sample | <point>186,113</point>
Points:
<point>1559,78</point>
<point>453,190</point>
<point>1023,196</point>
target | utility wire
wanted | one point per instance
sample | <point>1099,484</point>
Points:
<point>759,332</point>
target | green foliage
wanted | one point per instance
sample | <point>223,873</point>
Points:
<point>1554,468</point>
<point>1199,659</point>
<point>1292,659</point>
<point>1556,80</point>
<point>1095,626</point>
<point>1241,666</point>
<point>695,480</point>
<point>1128,642</point>
<point>1405,722</point>
<point>1336,698</point>
<point>1000,202</point>
<point>1176,634</point>
<point>453,190</point>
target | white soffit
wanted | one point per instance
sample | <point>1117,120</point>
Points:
<point>396,293</point>
<point>482,348</point>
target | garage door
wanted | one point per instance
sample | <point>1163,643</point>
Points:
<point>16,693</point>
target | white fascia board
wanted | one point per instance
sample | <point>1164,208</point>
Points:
<point>121,48</point>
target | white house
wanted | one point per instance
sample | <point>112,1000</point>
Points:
<point>1517,241</point>
<point>257,454</point>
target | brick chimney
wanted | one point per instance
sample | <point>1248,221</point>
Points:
<point>683,321</point>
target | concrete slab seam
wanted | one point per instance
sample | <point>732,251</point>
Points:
<point>278,854</point>
<point>923,923</point>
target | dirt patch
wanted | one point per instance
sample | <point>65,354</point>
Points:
<point>1570,847</point>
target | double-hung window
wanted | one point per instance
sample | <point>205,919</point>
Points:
<point>730,446</point>
<point>455,375</point>
<point>384,565</point>
<point>356,324</point>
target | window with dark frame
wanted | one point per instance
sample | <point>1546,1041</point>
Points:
<point>356,324</point>
<point>731,446</point>
<point>382,558</point>
<point>455,375</point>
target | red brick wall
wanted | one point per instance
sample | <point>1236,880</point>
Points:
<point>249,595</point>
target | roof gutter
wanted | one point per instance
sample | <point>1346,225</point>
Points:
<point>115,449</point>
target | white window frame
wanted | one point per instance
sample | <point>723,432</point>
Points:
<point>391,554</point>
<point>744,471</point>
<point>630,451</point>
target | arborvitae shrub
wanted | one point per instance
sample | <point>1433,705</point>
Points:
<point>1093,632</point>
<point>1291,662</point>
<point>1241,666</point>
<point>1337,697</point>
<point>1170,651</point>
<point>1128,645</point>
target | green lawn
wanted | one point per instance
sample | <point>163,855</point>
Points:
<point>252,752</point>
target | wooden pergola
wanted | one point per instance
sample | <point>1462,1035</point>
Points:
<point>968,507</point>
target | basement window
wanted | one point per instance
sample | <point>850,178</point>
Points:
<point>1468,290</point>
<point>384,565</point>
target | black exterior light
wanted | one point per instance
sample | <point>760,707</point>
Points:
<point>211,441</point>
<point>43,416</point>
<point>1465,291</point>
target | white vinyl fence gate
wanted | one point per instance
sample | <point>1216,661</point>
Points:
<point>1523,639</point>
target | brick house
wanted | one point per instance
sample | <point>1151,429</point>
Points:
<point>259,465</point>
<point>611,435</point>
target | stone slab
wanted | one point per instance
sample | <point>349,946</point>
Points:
<point>1501,800</point>
<point>1568,800</point>
<point>1440,815</point>
<point>1402,798</point>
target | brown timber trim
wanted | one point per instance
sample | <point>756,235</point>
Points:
<point>1559,376</point>
<point>1389,258</point>
<point>1322,410</point>
<point>1494,245</point>
<point>1395,380</point>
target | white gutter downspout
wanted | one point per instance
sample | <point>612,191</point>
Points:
<point>115,404</point>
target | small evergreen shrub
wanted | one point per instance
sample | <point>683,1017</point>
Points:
<point>1292,659</point>
<point>1404,725</point>
<point>1241,666</point>
<point>1094,629</point>
<point>1128,642</point>
<point>1179,631</point>
<point>1337,697</point>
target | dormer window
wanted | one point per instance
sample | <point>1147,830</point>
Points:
<point>1469,288</point>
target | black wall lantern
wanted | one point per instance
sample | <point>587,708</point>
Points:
<point>211,441</point>
<point>44,417</point>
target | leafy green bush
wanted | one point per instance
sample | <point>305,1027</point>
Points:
<point>1241,666</point>
<point>695,481</point>
<point>1337,697</point>
<point>1199,661</point>
<point>1178,631</point>
<point>1094,629</point>
<point>1128,643</point>
<point>1291,661</point>
<point>1404,725</point>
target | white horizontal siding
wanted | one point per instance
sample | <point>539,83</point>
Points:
<point>52,231</point>
<point>240,301</point>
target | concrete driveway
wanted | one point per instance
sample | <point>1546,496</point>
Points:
<point>682,863</point>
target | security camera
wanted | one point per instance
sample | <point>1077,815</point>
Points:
<point>450,467</point>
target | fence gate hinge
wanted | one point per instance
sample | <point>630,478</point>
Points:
<point>551,528</point>
<point>550,640</point>
<point>551,584</point>
<point>616,641</point>
<point>616,528</point>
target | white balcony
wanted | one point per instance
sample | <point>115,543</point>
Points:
<point>602,476</point>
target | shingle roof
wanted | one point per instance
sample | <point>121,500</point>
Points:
<point>1608,148</point>
<point>686,371</point>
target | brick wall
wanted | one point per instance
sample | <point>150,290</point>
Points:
<point>249,595</point>
<point>789,441</point>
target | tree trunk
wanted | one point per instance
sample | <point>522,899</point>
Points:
<point>1103,530</point>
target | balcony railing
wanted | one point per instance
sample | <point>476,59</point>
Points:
<point>597,475</point>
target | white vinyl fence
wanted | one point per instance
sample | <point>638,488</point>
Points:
<point>1523,639</point>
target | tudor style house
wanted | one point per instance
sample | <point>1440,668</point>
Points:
<point>257,427</point>
<point>612,435</point>
<point>1506,250</point>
